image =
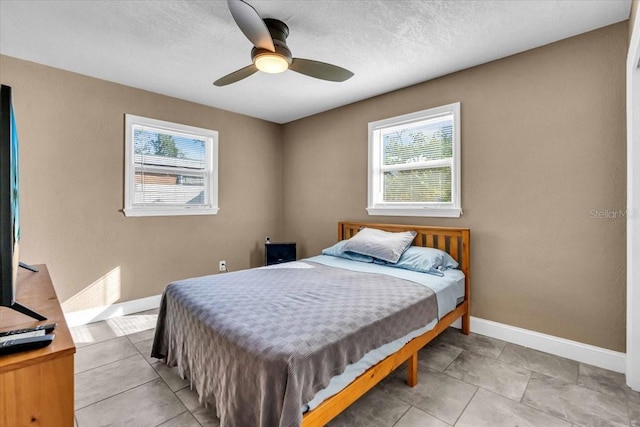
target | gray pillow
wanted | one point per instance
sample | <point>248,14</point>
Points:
<point>380,244</point>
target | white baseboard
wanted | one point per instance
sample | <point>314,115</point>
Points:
<point>82,317</point>
<point>585,353</point>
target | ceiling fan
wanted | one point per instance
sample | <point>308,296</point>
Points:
<point>270,53</point>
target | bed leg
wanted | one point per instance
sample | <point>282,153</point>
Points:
<point>466,323</point>
<point>412,370</point>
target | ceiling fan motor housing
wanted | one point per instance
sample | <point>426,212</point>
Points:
<point>279,32</point>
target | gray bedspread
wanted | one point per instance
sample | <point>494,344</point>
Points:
<point>258,344</point>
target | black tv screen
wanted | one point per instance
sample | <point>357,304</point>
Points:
<point>9,200</point>
<point>9,206</point>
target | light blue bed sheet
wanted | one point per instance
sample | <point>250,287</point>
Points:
<point>449,289</point>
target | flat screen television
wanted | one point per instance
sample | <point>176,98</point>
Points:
<point>10,207</point>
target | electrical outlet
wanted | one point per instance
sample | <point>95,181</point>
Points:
<point>223,265</point>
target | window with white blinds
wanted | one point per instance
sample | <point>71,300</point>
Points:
<point>170,169</point>
<point>414,164</point>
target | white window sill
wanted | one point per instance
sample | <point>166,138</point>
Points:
<point>416,211</point>
<point>131,212</point>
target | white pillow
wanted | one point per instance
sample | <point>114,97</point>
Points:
<point>380,244</point>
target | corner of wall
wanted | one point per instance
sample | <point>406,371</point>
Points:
<point>632,16</point>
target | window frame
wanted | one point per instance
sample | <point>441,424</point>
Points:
<point>211,169</point>
<point>376,205</point>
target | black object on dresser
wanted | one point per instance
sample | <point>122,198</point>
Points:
<point>277,253</point>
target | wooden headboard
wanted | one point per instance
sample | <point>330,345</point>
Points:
<point>454,240</point>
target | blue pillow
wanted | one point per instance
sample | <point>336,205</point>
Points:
<point>338,251</point>
<point>424,260</point>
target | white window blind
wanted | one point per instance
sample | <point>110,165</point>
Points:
<point>171,168</point>
<point>414,164</point>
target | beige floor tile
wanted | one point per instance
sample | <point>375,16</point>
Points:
<point>374,409</point>
<point>438,355</point>
<point>170,376</point>
<point>138,322</point>
<point>149,405</point>
<point>634,414</point>
<point>491,374</point>
<point>574,403</point>
<point>538,361</point>
<point>142,335</point>
<point>183,420</point>
<point>103,353</point>
<point>609,382</point>
<point>144,347</point>
<point>108,380</point>
<point>475,343</point>
<point>206,416</point>
<point>414,417</point>
<point>438,394</point>
<point>92,333</point>
<point>488,409</point>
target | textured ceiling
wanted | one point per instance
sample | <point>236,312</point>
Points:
<point>178,48</point>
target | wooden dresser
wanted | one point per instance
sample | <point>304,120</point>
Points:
<point>36,387</point>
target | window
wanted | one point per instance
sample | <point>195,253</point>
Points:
<point>414,164</point>
<point>170,169</point>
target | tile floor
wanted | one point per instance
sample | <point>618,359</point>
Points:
<point>470,381</point>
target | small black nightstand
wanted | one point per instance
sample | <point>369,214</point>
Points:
<point>277,253</point>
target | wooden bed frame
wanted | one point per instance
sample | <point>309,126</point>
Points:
<point>451,239</point>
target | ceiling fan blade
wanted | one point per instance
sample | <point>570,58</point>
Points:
<point>236,75</point>
<point>320,70</point>
<point>251,24</point>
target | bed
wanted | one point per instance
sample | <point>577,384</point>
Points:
<point>236,336</point>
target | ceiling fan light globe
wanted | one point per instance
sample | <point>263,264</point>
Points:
<point>271,63</point>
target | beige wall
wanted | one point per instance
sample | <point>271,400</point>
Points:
<point>543,144</point>
<point>71,131</point>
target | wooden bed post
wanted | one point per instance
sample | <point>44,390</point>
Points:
<point>466,323</point>
<point>466,269</point>
<point>412,370</point>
